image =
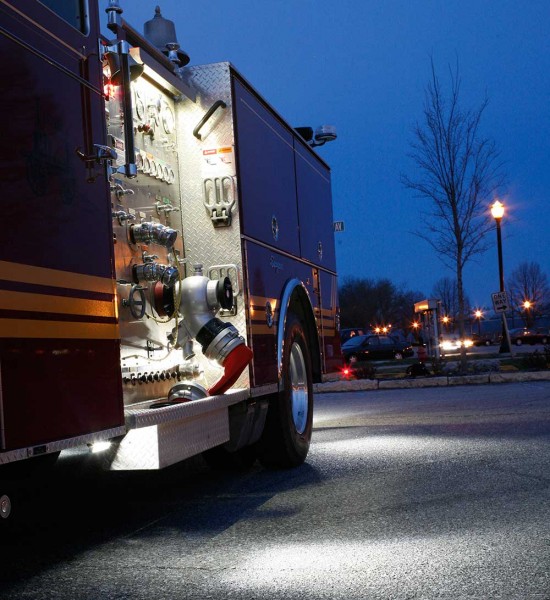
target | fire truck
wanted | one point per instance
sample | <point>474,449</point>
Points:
<point>168,280</point>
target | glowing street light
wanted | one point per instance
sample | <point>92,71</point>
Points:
<point>497,210</point>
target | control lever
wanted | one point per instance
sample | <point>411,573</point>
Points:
<point>123,216</point>
<point>165,208</point>
<point>120,190</point>
<point>102,153</point>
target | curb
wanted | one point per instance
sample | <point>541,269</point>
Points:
<point>354,385</point>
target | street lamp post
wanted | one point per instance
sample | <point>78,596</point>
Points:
<point>497,210</point>
<point>527,305</point>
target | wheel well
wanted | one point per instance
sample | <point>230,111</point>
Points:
<point>300,305</point>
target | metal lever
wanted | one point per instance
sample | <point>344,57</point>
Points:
<point>102,153</point>
<point>165,208</point>
<point>122,49</point>
<point>122,216</point>
<point>120,190</point>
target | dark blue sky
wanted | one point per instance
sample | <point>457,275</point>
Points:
<point>362,65</point>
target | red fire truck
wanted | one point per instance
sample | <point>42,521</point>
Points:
<point>167,270</point>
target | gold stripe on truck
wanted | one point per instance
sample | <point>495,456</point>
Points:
<point>10,271</point>
<point>27,328</point>
<point>55,304</point>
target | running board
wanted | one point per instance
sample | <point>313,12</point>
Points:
<point>160,437</point>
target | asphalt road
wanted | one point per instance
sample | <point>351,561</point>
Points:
<point>424,493</point>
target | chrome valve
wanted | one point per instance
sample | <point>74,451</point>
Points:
<point>153,233</point>
<point>154,272</point>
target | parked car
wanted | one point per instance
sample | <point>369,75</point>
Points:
<point>528,336</point>
<point>374,347</point>
<point>486,339</point>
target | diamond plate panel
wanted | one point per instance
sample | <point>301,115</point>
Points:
<point>60,445</point>
<point>146,417</point>
<point>163,445</point>
<point>200,160</point>
<point>177,202</point>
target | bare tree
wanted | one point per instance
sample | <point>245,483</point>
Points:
<point>446,290</point>
<point>528,283</point>
<point>368,303</point>
<point>458,172</point>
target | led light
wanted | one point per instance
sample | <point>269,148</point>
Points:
<point>100,446</point>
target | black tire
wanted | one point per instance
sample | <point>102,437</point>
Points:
<point>5,509</point>
<point>287,433</point>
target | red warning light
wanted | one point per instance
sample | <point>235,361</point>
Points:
<point>109,90</point>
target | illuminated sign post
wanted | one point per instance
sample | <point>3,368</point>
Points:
<point>500,301</point>
<point>429,309</point>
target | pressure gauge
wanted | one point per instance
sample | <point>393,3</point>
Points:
<point>154,110</point>
<point>139,105</point>
<point>168,119</point>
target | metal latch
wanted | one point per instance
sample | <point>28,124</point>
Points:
<point>219,199</point>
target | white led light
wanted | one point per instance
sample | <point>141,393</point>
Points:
<point>100,446</point>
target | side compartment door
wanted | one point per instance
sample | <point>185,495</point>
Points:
<point>266,173</point>
<point>314,208</point>
<point>59,348</point>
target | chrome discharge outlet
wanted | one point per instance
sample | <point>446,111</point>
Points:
<point>218,339</point>
<point>201,298</point>
<point>182,392</point>
<point>221,342</point>
<point>154,272</point>
<point>153,233</point>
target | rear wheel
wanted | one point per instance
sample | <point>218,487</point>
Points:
<point>287,433</point>
<point>5,507</point>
